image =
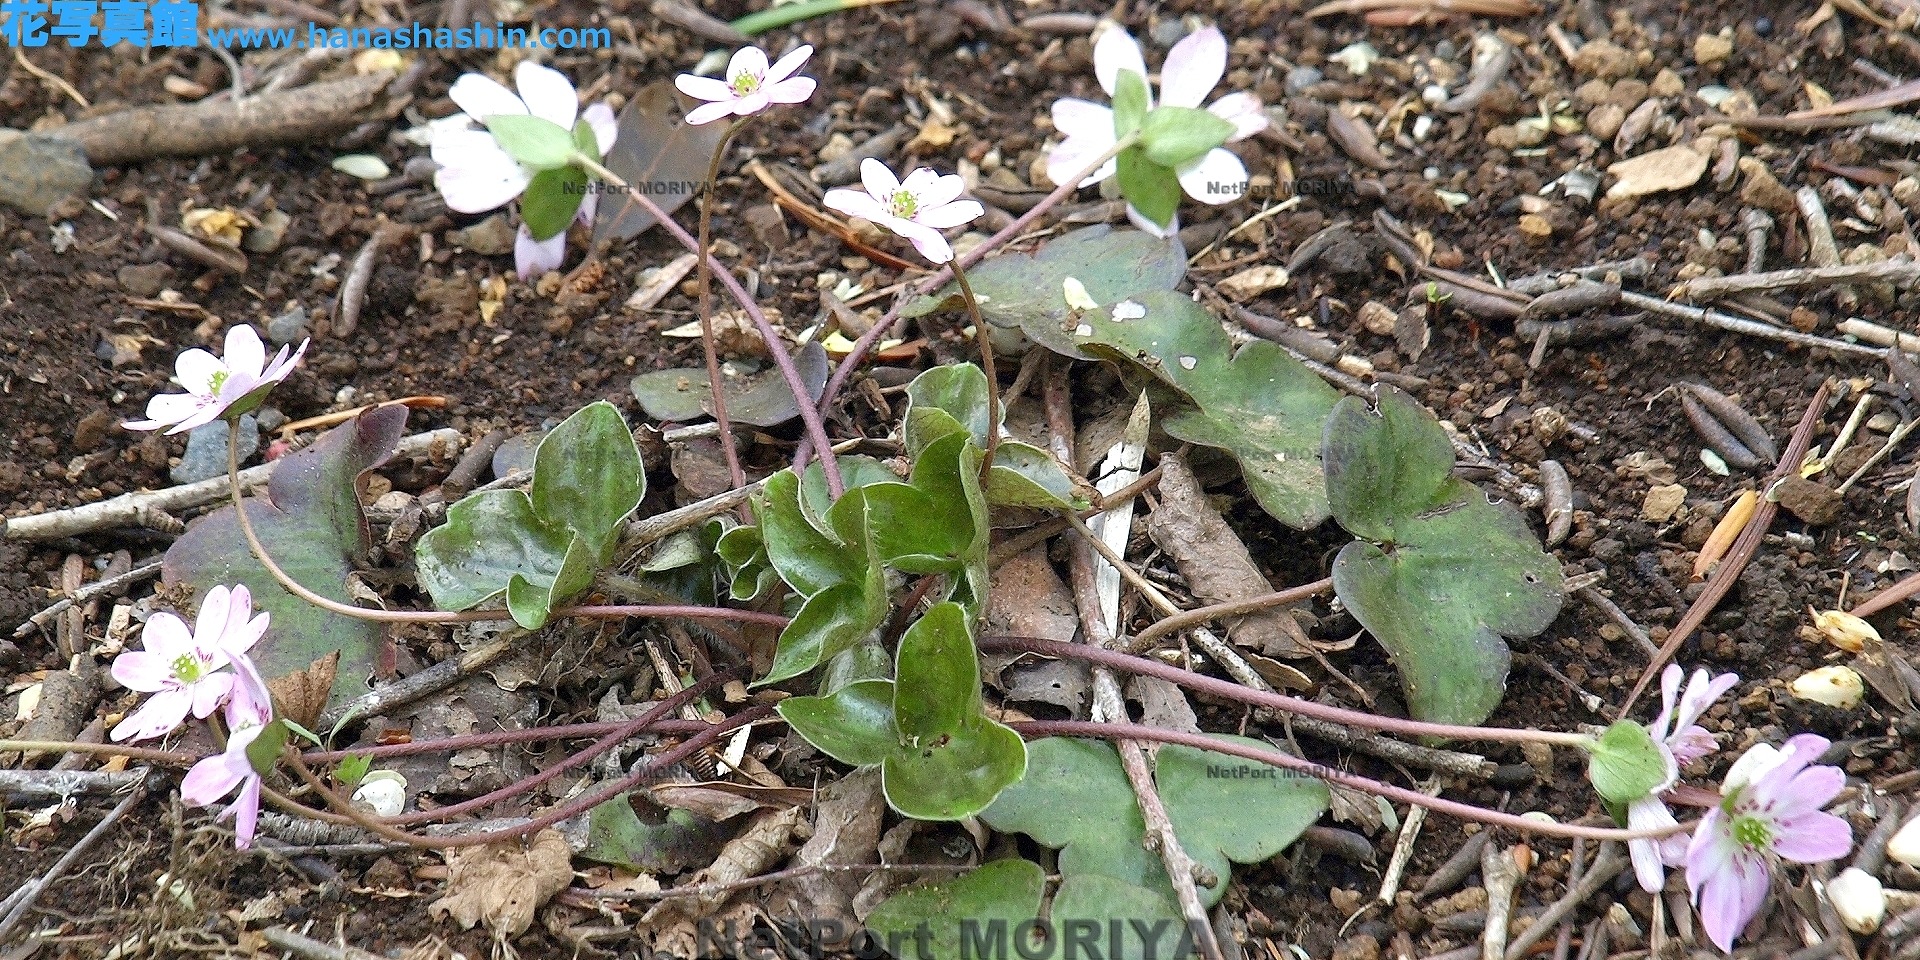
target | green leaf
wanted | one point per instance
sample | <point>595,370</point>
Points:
<point>1209,798</point>
<point>759,399</point>
<point>975,916</point>
<point>1625,764</point>
<point>1076,798</point>
<point>584,139</point>
<point>263,752</point>
<point>1152,188</point>
<point>956,776</point>
<point>1029,291</point>
<point>1151,926</point>
<point>854,725</point>
<point>587,475</point>
<point>953,399</point>
<point>1172,136</point>
<point>830,621</point>
<point>533,141</point>
<point>542,545</point>
<point>617,835</point>
<point>1131,102</point>
<point>1458,574</point>
<point>353,769</point>
<point>312,526</point>
<point>551,200</point>
<point>1259,404</point>
<point>938,675</point>
<point>866,661</point>
<point>806,558</point>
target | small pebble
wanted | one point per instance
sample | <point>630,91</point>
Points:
<point>1300,78</point>
<point>144,280</point>
<point>1763,26</point>
<point>270,418</point>
<point>1168,31</point>
<point>206,455</point>
<point>268,236</point>
<point>288,327</point>
<point>489,238</point>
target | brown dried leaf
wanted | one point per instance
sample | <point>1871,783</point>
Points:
<point>503,884</point>
<point>846,831</point>
<point>658,153</point>
<point>709,803</point>
<point>1162,705</point>
<point>302,694</point>
<point>1027,598</point>
<point>746,856</point>
<point>1216,564</point>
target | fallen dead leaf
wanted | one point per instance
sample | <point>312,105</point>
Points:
<point>1669,168</point>
<point>1216,564</point>
<point>503,884</point>
<point>1253,281</point>
<point>302,695</point>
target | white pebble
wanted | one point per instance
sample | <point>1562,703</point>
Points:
<point>1835,686</point>
<point>1859,900</point>
<point>1905,845</point>
<point>384,791</point>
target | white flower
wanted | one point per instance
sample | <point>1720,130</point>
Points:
<point>185,671</point>
<point>249,712</point>
<point>531,257</point>
<point>476,174</point>
<point>917,208</point>
<point>1192,69</point>
<point>751,86</point>
<point>1680,742</point>
<point>218,387</point>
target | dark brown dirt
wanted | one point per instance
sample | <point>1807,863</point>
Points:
<point>421,333</point>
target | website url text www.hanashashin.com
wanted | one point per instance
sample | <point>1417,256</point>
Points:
<point>175,23</point>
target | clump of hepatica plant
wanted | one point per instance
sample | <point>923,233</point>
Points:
<point>1167,148</point>
<point>534,147</point>
<point>1768,811</point>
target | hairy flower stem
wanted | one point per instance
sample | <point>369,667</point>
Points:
<point>1277,701</point>
<point>809,411</point>
<point>294,587</point>
<point>864,345</point>
<point>986,364</point>
<point>728,447</point>
<point>1287,761</point>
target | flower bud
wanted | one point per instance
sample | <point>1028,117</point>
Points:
<point>1844,630</point>
<point>1859,900</point>
<point>1834,686</point>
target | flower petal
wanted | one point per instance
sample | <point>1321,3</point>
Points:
<point>919,182</point>
<point>157,717</point>
<point>142,671</point>
<point>209,780</point>
<point>207,412</point>
<point>245,354</point>
<point>1814,837</point>
<point>750,61</point>
<point>1244,111</point>
<point>166,636</point>
<point>475,175</point>
<point>854,203</point>
<point>212,621</point>
<point>606,127</point>
<point>535,257</point>
<point>879,181</point>
<point>947,215</point>
<point>789,64</point>
<point>1751,765</point>
<point>703,88</point>
<point>752,103</point>
<point>791,90</point>
<point>547,92</point>
<point>927,240</point>
<point>1729,900</point>
<point>1217,177</point>
<point>1082,118</point>
<point>1075,153</point>
<point>1192,68</point>
<point>209,692</point>
<point>708,113</point>
<point>1116,51</point>
<point>251,705</point>
<point>246,811</point>
<point>195,369</point>
<point>1139,220</point>
<point>1647,813</point>
<point>480,96</point>
<point>942,191</point>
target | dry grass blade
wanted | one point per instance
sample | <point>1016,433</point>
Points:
<point>1430,8</point>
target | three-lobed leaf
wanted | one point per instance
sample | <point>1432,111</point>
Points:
<point>311,524</point>
<point>1625,763</point>
<point>1451,573</point>
<point>952,399</point>
<point>1257,403</point>
<point>544,544</point>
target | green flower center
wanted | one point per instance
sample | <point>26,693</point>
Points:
<point>903,204</point>
<point>1752,832</point>
<point>745,84</point>
<point>186,668</point>
<point>213,384</point>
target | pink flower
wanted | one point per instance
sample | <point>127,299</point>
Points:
<point>217,388</point>
<point>185,671</point>
<point>751,86</point>
<point>917,208</point>
<point>249,712</point>
<point>477,174</point>
<point>1680,742</point>
<point>1771,811</point>
<point>1192,69</point>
